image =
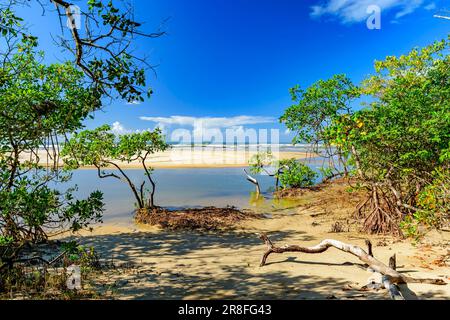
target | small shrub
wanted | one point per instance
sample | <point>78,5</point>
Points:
<point>35,279</point>
<point>297,175</point>
<point>434,202</point>
<point>410,228</point>
<point>87,258</point>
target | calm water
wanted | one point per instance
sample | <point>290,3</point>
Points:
<point>177,188</point>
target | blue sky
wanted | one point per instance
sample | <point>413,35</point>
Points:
<point>230,58</point>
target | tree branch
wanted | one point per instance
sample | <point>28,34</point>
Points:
<point>254,181</point>
<point>394,276</point>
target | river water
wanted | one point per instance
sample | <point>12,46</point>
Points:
<point>179,188</point>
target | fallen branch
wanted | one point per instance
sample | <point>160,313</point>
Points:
<point>254,181</point>
<point>42,260</point>
<point>393,289</point>
<point>384,282</point>
<point>391,275</point>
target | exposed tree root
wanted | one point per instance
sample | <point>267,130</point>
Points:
<point>381,216</point>
<point>390,276</point>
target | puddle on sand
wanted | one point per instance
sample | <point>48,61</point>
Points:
<point>269,206</point>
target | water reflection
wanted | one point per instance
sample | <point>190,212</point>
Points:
<point>181,188</point>
<point>265,202</point>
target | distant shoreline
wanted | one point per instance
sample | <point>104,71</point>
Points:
<point>186,159</point>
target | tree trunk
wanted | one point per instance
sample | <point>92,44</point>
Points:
<point>357,162</point>
<point>254,181</point>
<point>152,193</point>
<point>130,183</point>
<point>390,276</point>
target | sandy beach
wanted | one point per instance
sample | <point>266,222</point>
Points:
<point>186,157</point>
<point>152,263</point>
<point>157,264</point>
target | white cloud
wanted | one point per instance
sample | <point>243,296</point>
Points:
<point>431,6</point>
<point>410,8</point>
<point>204,128</point>
<point>118,129</point>
<point>210,122</point>
<point>135,102</point>
<point>351,11</point>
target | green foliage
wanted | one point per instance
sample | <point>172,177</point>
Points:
<point>406,132</point>
<point>434,204</point>
<point>317,106</point>
<point>410,228</point>
<point>99,147</point>
<point>102,149</point>
<point>81,255</point>
<point>261,160</point>
<point>32,205</point>
<point>291,173</point>
<point>9,22</point>
<point>102,49</point>
<point>38,100</point>
<point>296,175</point>
<point>394,143</point>
<point>315,110</point>
<point>436,195</point>
<point>5,241</point>
<point>413,122</point>
<point>123,70</point>
<point>39,104</point>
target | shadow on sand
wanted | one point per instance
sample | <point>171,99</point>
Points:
<point>186,265</point>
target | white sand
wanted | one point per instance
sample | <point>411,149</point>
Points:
<point>192,158</point>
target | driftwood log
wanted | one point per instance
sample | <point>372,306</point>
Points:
<point>390,276</point>
<point>254,181</point>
